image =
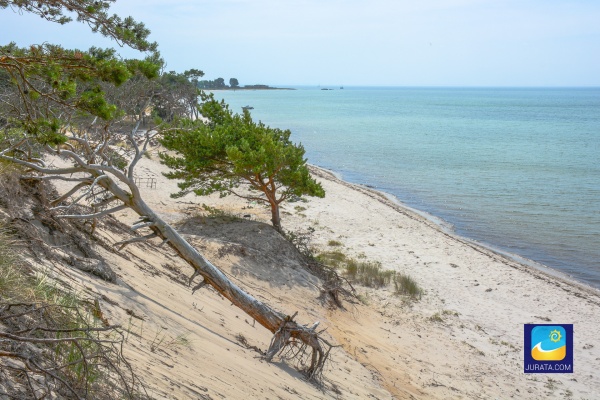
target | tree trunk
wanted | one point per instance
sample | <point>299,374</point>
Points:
<point>275,218</point>
<point>262,313</point>
<point>282,326</point>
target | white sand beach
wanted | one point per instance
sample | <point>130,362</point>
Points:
<point>462,340</point>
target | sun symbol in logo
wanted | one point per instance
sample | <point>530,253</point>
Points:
<point>555,336</point>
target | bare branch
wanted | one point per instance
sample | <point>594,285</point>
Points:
<point>37,168</point>
<point>135,240</point>
<point>86,180</point>
<point>35,160</point>
<point>136,147</point>
<point>72,330</point>
<point>198,286</point>
<point>30,362</point>
<point>105,202</point>
<point>261,199</point>
<point>65,196</point>
<point>88,167</point>
<point>63,349</point>
<point>138,153</point>
<point>48,340</point>
<point>84,143</point>
<point>142,225</point>
<point>195,274</point>
<point>96,215</point>
<point>87,192</point>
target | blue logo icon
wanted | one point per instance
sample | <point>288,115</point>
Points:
<point>548,348</point>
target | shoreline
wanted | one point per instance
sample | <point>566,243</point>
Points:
<point>549,220</point>
<point>476,301</point>
<point>448,229</point>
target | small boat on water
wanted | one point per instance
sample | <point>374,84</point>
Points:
<point>247,108</point>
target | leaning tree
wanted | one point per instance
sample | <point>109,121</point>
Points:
<point>57,101</point>
<point>231,154</point>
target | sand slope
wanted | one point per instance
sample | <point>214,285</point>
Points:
<point>463,339</point>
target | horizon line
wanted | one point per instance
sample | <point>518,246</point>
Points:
<point>595,86</point>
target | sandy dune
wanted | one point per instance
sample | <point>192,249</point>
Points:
<point>463,339</point>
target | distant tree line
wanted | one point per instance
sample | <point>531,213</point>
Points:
<point>218,83</point>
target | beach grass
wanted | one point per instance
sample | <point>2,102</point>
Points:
<point>334,258</point>
<point>405,285</point>
<point>370,273</point>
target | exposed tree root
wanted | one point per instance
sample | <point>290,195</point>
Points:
<point>293,342</point>
<point>50,350</point>
<point>335,287</point>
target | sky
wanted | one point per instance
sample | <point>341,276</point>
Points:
<point>357,42</point>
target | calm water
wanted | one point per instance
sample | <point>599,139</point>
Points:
<point>517,169</point>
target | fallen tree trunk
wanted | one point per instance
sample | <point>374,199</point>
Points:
<point>287,333</point>
<point>282,326</point>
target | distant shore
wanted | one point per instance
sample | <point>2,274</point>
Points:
<point>249,87</point>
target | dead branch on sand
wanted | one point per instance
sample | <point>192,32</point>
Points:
<point>48,350</point>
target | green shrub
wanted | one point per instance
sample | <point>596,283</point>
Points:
<point>213,212</point>
<point>436,318</point>
<point>370,273</point>
<point>352,269</point>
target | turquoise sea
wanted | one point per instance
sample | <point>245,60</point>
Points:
<point>517,169</point>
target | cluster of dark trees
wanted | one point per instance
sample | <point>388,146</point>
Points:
<point>218,83</point>
<point>101,113</point>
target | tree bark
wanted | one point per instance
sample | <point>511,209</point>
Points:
<point>275,217</point>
